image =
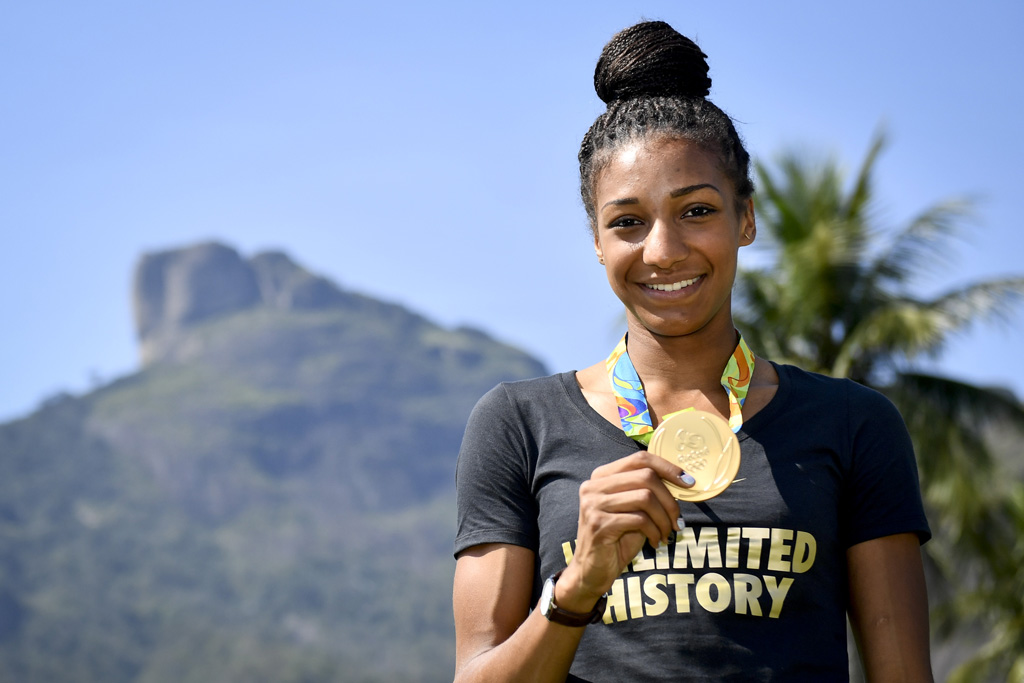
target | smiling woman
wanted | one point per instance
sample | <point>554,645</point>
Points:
<point>682,510</point>
<point>667,230</point>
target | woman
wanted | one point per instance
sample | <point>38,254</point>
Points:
<point>575,559</point>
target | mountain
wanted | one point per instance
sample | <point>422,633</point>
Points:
<point>270,498</point>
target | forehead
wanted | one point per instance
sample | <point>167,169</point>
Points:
<point>649,164</point>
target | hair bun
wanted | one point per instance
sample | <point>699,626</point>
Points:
<point>651,59</point>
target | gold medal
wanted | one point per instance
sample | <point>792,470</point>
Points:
<point>704,446</point>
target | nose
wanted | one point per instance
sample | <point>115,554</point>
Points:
<point>665,245</point>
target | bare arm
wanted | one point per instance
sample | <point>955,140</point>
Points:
<point>497,638</point>
<point>889,609</point>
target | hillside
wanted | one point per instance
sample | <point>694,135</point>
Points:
<point>269,499</point>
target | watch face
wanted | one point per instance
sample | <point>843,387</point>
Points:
<point>547,597</point>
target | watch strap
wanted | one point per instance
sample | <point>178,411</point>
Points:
<point>556,614</point>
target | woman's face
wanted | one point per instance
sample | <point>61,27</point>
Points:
<point>668,230</point>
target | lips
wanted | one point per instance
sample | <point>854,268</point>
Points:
<point>674,286</point>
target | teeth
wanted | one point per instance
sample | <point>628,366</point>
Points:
<point>675,286</point>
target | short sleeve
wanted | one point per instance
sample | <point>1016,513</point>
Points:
<point>883,493</point>
<point>494,501</point>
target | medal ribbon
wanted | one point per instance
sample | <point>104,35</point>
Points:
<point>629,390</point>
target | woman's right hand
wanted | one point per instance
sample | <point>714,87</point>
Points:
<point>622,505</point>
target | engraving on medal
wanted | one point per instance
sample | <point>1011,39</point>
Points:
<point>703,446</point>
<point>693,451</point>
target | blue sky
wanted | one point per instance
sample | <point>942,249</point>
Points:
<point>425,153</point>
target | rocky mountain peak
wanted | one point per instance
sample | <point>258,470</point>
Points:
<point>176,289</point>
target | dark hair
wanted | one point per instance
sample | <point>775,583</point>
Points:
<point>654,81</point>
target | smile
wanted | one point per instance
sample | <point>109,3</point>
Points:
<point>675,286</point>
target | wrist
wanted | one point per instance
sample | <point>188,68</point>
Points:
<point>559,614</point>
<point>572,594</point>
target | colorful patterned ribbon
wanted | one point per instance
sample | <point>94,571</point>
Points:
<point>629,390</point>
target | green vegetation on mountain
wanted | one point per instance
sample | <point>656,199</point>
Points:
<point>268,499</point>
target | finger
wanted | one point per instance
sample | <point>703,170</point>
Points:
<point>645,479</point>
<point>641,459</point>
<point>641,490</point>
<point>664,515</point>
<point>606,527</point>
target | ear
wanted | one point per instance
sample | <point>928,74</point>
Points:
<point>748,224</point>
<point>597,248</point>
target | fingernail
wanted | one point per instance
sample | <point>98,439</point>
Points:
<point>687,479</point>
<point>681,523</point>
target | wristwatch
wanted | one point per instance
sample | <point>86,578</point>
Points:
<point>556,614</point>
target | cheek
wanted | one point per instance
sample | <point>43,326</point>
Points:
<point>616,265</point>
<point>724,244</point>
<point>619,257</point>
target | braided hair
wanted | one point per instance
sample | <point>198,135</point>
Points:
<point>654,81</point>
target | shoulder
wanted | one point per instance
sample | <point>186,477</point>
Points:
<point>864,417</point>
<point>537,387</point>
<point>837,392</point>
<point>525,397</point>
<point>512,412</point>
<point>881,495</point>
<point>838,408</point>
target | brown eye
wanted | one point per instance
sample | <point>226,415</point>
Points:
<point>624,222</point>
<point>698,212</point>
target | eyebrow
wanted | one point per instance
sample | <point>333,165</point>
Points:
<point>620,202</point>
<point>689,189</point>
<point>693,188</point>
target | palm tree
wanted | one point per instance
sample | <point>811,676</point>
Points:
<point>837,298</point>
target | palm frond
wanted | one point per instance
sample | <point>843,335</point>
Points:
<point>954,399</point>
<point>903,327</point>
<point>987,301</point>
<point>861,195</point>
<point>923,245</point>
<point>779,212</point>
<point>907,327</point>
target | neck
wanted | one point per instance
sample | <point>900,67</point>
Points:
<point>671,365</point>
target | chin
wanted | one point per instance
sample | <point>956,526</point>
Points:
<point>667,328</point>
<point>677,327</point>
